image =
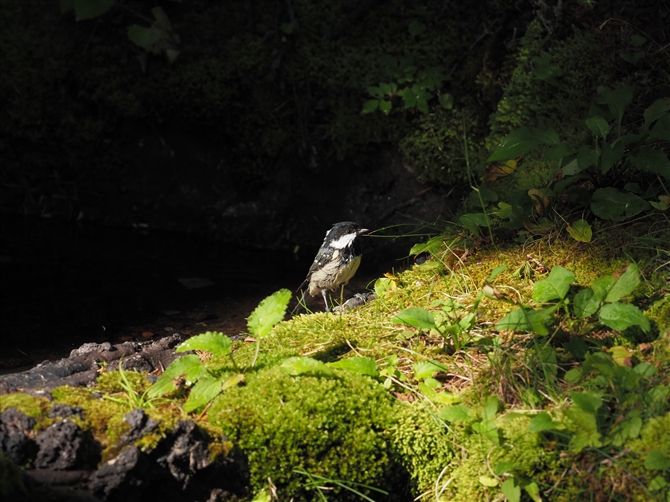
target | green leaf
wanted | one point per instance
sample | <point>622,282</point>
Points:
<point>370,106</point>
<point>572,168</point>
<point>269,312</point>
<point>616,100</point>
<point>574,375</point>
<point>658,483</point>
<point>418,318</point>
<point>559,151</point>
<point>447,101</point>
<point>385,106</point>
<point>585,304</point>
<point>602,286</point>
<point>544,71</point>
<point>455,413</point>
<point>490,408</point>
<point>472,221</point>
<point>657,109</point>
<point>587,157</point>
<point>610,204</point>
<point>652,161</point>
<point>360,365</point>
<point>503,467</point>
<point>518,143</point>
<point>656,460</point>
<point>625,285</point>
<point>645,370</point>
<point>86,9</point>
<point>610,155</point>
<point>147,38</point>
<point>487,428</point>
<point>581,231</point>
<point>488,481</point>
<point>496,272</point>
<point>626,430</point>
<point>662,128</point>
<point>428,390</point>
<point>586,402</point>
<point>585,429</point>
<point>426,369</point>
<point>533,491</point>
<point>542,422</point>
<point>301,365</point>
<point>620,316</point>
<point>212,341</point>
<point>511,490</point>
<point>204,391</point>
<point>528,320</point>
<point>556,286</point>
<point>189,365</point>
<point>598,126</point>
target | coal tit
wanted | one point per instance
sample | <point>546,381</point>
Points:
<point>337,260</point>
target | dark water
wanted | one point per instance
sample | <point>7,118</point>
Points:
<point>65,284</point>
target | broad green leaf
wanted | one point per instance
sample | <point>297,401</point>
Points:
<point>370,106</point>
<point>616,100</point>
<point>542,422</point>
<point>533,491</point>
<point>436,397</point>
<point>503,467</point>
<point>488,481</point>
<point>587,157</point>
<point>655,111</point>
<point>598,126</point>
<point>375,92</point>
<point>528,320</point>
<point>425,369</point>
<point>585,304</point>
<point>572,168</point>
<point>147,38</point>
<point>361,365</point>
<point>555,286</point>
<point>418,318</point>
<point>518,143</point>
<point>211,341</point>
<point>385,106</point>
<point>574,375</point>
<point>601,286</point>
<point>585,429</point>
<point>656,460</point>
<point>204,391</point>
<point>472,221</point>
<point>620,316</point>
<point>232,381</point>
<point>662,128</point>
<point>625,285</point>
<point>652,160</point>
<point>496,272</point>
<point>658,483</point>
<point>262,496</point>
<point>447,101</point>
<point>86,9</point>
<point>490,408</point>
<point>487,428</point>
<point>408,97</point>
<point>546,72</point>
<point>559,151</point>
<point>455,413</point>
<point>625,430</point>
<point>586,401</point>
<point>610,155</point>
<point>301,365</point>
<point>511,490</point>
<point>645,370</point>
<point>188,365</point>
<point>581,231</point>
<point>610,204</point>
<point>269,312</point>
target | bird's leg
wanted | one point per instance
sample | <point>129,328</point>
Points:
<point>325,299</point>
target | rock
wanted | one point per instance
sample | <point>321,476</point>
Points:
<point>140,424</point>
<point>124,478</point>
<point>16,430</point>
<point>63,446</point>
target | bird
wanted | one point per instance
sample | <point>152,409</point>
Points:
<point>337,260</point>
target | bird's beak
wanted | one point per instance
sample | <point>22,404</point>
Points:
<point>363,231</point>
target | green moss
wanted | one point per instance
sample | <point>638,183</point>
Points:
<point>659,312</point>
<point>36,407</point>
<point>332,427</point>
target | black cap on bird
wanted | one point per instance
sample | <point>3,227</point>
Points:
<point>336,261</point>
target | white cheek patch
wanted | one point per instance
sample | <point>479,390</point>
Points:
<point>344,241</point>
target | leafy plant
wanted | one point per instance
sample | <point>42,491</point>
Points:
<point>413,87</point>
<point>132,398</point>
<point>602,298</point>
<point>206,384</point>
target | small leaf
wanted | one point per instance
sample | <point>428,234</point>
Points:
<point>188,365</point>
<point>625,285</point>
<point>204,391</point>
<point>497,271</point>
<point>598,126</point>
<point>488,481</point>
<point>87,9</point>
<point>490,408</point>
<point>610,204</point>
<point>425,369</point>
<point>295,366</point>
<point>616,100</point>
<point>610,155</point>
<point>528,320</point>
<point>554,287</point>
<point>602,286</point>
<point>620,316</point>
<point>455,413</point>
<point>147,38</point>
<point>418,318</point>
<point>472,221</point>
<point>656,460</point>
<point>652,161</point>
<point>360,365</point>
<point>585,304</point>
<point>518,143</point>
<point>657,109</point>
<point>542,422</point>
<point>559,151</point>
<point>586,402</point>
<point>212,341</point>
<point>385,106</point>
<point>269,312</point>
<point>447,101</point>
<point>533,491</point>
<point>511,490</point>
<point>581,231</point>
<point>370,106</point>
